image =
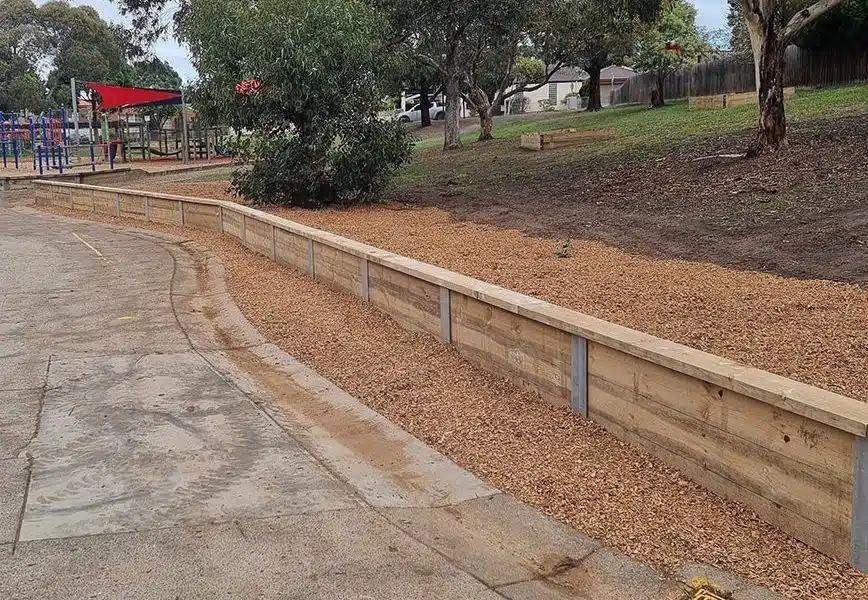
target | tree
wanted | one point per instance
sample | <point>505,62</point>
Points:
<point>475,47</point>
<point>434,34</point>
<point>156,73</point>
<point>769,40</point>
<point>305,77</point>
<point>739,40</point>
<point>671,43</point>
<point>499,75</point>
<point>415,76</point>
<point>83,46</point>
<point>519,50</point>
<point>845,28</point>
<point>22,45</point>
<point>603,33</point>
<point>20,90</point>
<point>22,36</point>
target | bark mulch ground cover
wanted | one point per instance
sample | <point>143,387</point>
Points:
<point>811,330</point>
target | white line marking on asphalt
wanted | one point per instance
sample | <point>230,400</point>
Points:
<point>95,251</point>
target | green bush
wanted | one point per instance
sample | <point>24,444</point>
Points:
<point>348,166</point>
<point>306,79</point>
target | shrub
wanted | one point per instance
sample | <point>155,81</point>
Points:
<point>347,166</point>
<point>305,77</point>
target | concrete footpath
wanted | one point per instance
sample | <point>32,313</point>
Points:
<point>153,445</point>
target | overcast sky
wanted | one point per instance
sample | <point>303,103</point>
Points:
<point>711,14</point>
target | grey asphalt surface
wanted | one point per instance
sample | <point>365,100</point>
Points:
<point>153,445</point>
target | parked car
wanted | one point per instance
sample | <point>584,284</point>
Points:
<point>436,111</point>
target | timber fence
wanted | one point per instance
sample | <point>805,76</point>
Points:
<point>735,73</point>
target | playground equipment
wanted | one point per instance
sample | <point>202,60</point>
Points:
<point>40,140</point>
<point>50,142</point>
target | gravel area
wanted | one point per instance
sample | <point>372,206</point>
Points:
<point>570,468</point>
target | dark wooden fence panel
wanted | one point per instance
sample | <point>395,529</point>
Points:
<point>735,73</point>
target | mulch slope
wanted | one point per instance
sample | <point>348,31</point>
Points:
<point>811,330</point>
<point>814,331</point>
<point>568,467</point>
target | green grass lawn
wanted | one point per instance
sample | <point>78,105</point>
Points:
<point>633,126</point>
<point>634,133</point>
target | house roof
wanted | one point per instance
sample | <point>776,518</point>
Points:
<point>565,74</point>
<point>568,74</point>
<point>617,73</point>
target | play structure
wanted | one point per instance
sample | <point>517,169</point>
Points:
<point>114,131</point>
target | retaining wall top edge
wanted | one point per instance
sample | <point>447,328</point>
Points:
<point>835,410</point>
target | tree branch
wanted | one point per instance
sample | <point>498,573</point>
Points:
<point>504,82</point>
<point>535,87</point>
<point>803,17</point>
<point>430,62</point>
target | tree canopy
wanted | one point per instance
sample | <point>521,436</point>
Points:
<point>65,42</point>
<point>672,42</point>
<point>22,44</point>
<point>603,33</point>
<point>305,76</point>
<point>843,28</point>
<point>82,46</point>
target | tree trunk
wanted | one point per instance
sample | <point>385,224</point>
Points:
<point>755,33</point>
<point>772,134</point>
<point>451,138</point>
<point>657,93</point>
<point>482,106</point>
<point>424,101</point>
<point>594,102</point>
<point>486,123</point>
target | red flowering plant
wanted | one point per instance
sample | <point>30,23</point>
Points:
<point>248,87</point>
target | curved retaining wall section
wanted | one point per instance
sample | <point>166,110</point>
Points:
<point>795,454</point>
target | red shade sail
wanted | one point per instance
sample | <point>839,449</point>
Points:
<point>116,96</point>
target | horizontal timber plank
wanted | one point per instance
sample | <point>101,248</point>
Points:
<point>530,353</point>
<point>814,495</point>
<point>825,540</point>
<point>291,249</point>
<point>818,447</point>
<point>412,302</point>
<point>337,269</point>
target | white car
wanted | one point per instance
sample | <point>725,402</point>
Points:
<point>436,111</point>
